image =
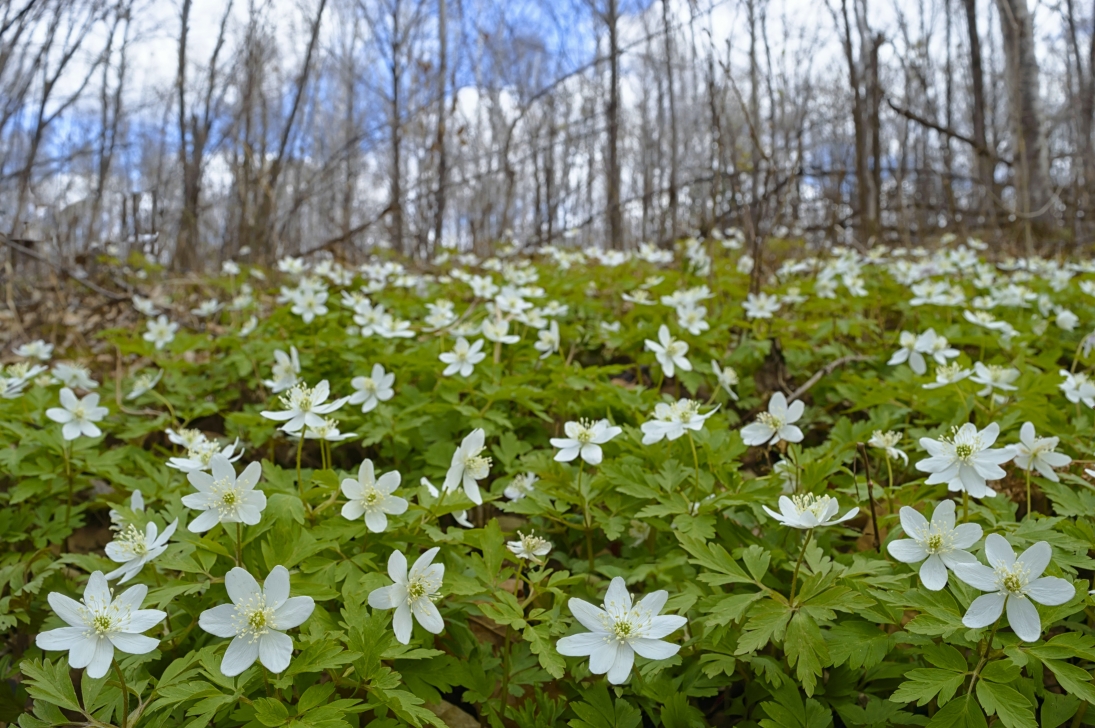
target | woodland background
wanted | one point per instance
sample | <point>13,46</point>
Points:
<point>199,131</point>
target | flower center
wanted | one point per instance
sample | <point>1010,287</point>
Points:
<point>1013,580</point>
<point>675,349</point>
<point>102,624</point>
<point>227,497</point>
<point>370,497</point>
<point>963,451</point>
<point>476,465</point>
<point>811,503</point>
<point>623,630</point>
<point>935,543</point>
<point>415,590</point>
<point>770,421</point>
<point>585,432</point>
<point>78,412</point>
<point>132,541</point>
<point>253,618</point>
<point>369,385</point>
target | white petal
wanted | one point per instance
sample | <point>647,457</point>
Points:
<point>63,638</point>
<point>402,623</point>
<point>966,535</point>
<point>976,575</point>
<point>134,644</point>
<point>1036,558</point>
<point>428,616</point>
<point>588,616</point>
<point>241,585</point>
<point>239,656</point>
<point>100,662</point>
<point>219,621</point>
<point>602,660</point>
<point>1024,620</point>
<point>664,625</point>
<point>1050,590</point>
<point>654,649</point>
<point>999,551</point>
<point>907,551</point>
<point>933,572</point>
<point>581,645</point>
<point>67,609</point>
<point>276,587</point>
<point>984,610</point>
<point>397,567</point>
<point>625,659</point>
<point>275,650</point>
<point>912,522</point>
<point>293,612</point>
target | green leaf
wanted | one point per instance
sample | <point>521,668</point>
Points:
<point>960,713</point>
<point>539,640</point>
<point>714,557</point>
<point>926,683</point>
<point>50,681</point>
<point>270,712</point>
<point>598,711</point>
<point>756,559</point>
<point>767,621</point>
<point>789,711</point>
<point>945,657</point>
<point>1001,671</point>
<point>1006,702</point>
<point>806,650</point>
<point>1056,709</point>
<point>860,644</point>
<point>494,546</point>
<point>1075,680</point>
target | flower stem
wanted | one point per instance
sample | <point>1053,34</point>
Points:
<point>986,649</point>
<point>170,409</point>
<point>696,461</point>
<point>586,520</point>
<point>125,694</point>
<point>300,480</point>
<point>239,544</point>
<point>965,506</point>
<point>798,564</point>
<point>68,477</point>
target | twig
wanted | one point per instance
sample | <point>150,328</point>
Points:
<point>870,498</point>
<point>827,369</point>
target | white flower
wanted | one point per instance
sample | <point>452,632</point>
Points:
<point>1013,582</point>
<point>223,497</point>
<point>497,330</point>
<point>948,374</point>
<point>776,424</point>
<point>327,431</point>
<point>144,382</point>
<point>1078,388</point>
<point>286,370</point>
<point>964,461</point>
<point>669,352</point>
<point>909,353</point>
<point>1038,453</point>
<point>468,466</point>
<point>256,620</point>
<point>1066,320</point>
<point>136,503</point>
<point>372,390</point>
<point>100,623</point>
<point>133,549</point>
<point>936,347</point>
<point>584,438</point>
<point>888,441</point>
<point>549,340</point>
<point>411,593</point>
<point>249,326</point>
<point>521,485</point>
<point>207,308</point>
<point>530,547</point>
<point>161,332</point>
<point>760,305</point>
<point>693,319</point>
<point>463,357</point>
<point>809,511</point>
<point>672,420</point>
<point>372,497</point>
<point>145,306</point>
<point>728,378</point>
<point>199,455</point>
<point>994,377</point>
<point>36,349</point>
<point>303,407</point>
<point>621,630</point>
<point>78,416</point>
<point>940,545</point>
<point>638,532</point>
<point>75,376</point>
<point>185,437</point>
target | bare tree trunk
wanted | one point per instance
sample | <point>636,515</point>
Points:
<point>442,159</point>
<point>673,151</point>
<point>985,164</point>
<point>395,131</point>
<point>1026,115</point>
<point>615,214</point>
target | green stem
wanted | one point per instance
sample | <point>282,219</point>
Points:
<point>986,649</point>
<point>170,409</point>
<point>798,564</point>
<point>965,506</point>
<point>125,694</point>
<point>696,461</point>
<point>586,521</point>
<point>239,544</point>
<point>300,480</point>
<point>68,476</point>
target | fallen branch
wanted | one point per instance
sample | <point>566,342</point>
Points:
<point>827,369</point>
<point>61,269</point>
